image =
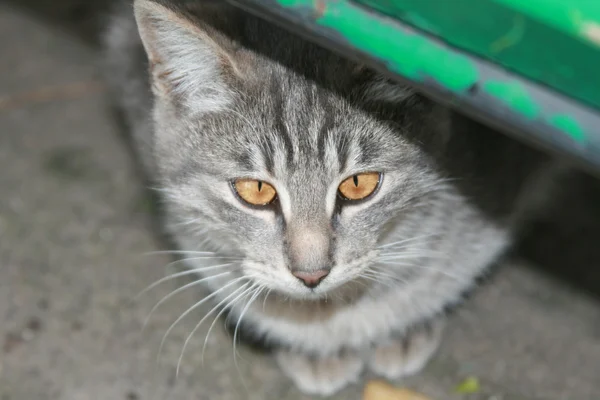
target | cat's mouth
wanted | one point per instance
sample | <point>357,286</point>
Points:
<point>345,283</point>
<point>314,306</point>
<point>345,294</point>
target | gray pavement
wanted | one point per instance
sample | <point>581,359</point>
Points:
<point>75,230</point>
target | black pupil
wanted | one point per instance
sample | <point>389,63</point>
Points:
<point>355,179</point>
<point>259,186</point>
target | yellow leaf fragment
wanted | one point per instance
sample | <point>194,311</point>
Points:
<point>468,386</point>
<point>378,390</point>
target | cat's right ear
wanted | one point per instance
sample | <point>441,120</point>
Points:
<point>190,66</point>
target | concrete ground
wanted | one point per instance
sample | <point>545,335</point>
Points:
<point>75,231</point>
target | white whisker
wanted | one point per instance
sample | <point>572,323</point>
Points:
<point>385,282</point>
<point>189,310</point>
<point>411,250</point>
<point>401,260</point>
<point>257,293</point>
<point>426,267</point>
<point>265,299</point>
<point>244,289</point>
<point>412,254</point>
<point>182,273</point>
<point>204,257</point>
<point>179,290</point>
<point>380,273</point>
<point>188,259</point>
<point>151,253</point>
<point>408,240</point>
<point>225,308</point>
<point>396,263</point>
<point>373,278</point>
<point>189,222</point>
<point>383,274</point>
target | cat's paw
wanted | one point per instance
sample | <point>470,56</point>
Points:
<point>321,376</point>
<point>408,354</point>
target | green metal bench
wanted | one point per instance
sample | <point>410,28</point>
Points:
<point>528,67</point>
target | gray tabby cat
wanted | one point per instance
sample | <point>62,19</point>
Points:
<point>350,212</point>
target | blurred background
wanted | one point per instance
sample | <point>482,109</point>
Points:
<point>77,236</point>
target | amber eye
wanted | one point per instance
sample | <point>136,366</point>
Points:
<point>359,186</point>
<point>257,193</point>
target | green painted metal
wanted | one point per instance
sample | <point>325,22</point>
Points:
<point>554,42</point>
<point>580,18</point>
<point>567,123</point>
<point>418,57</point>
<point>514,94</point>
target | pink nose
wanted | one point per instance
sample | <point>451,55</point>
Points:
<point>311,279</point>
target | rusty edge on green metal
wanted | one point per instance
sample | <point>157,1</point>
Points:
<point>523,36</point>
<point>423,59</point>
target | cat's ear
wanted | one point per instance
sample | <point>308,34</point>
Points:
<point>190,65</point>
<point>376,87</point>
<point>388,91</point>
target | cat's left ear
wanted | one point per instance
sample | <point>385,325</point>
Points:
<point>388,91</point>
<point>190,65</point>
<point>375,87</point>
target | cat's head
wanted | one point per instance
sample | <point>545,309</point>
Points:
<point>297,161</point>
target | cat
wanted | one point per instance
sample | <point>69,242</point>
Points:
<point>349,212</point>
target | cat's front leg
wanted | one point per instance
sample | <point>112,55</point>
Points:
<point>406,354</point>
<point>321,375</point>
